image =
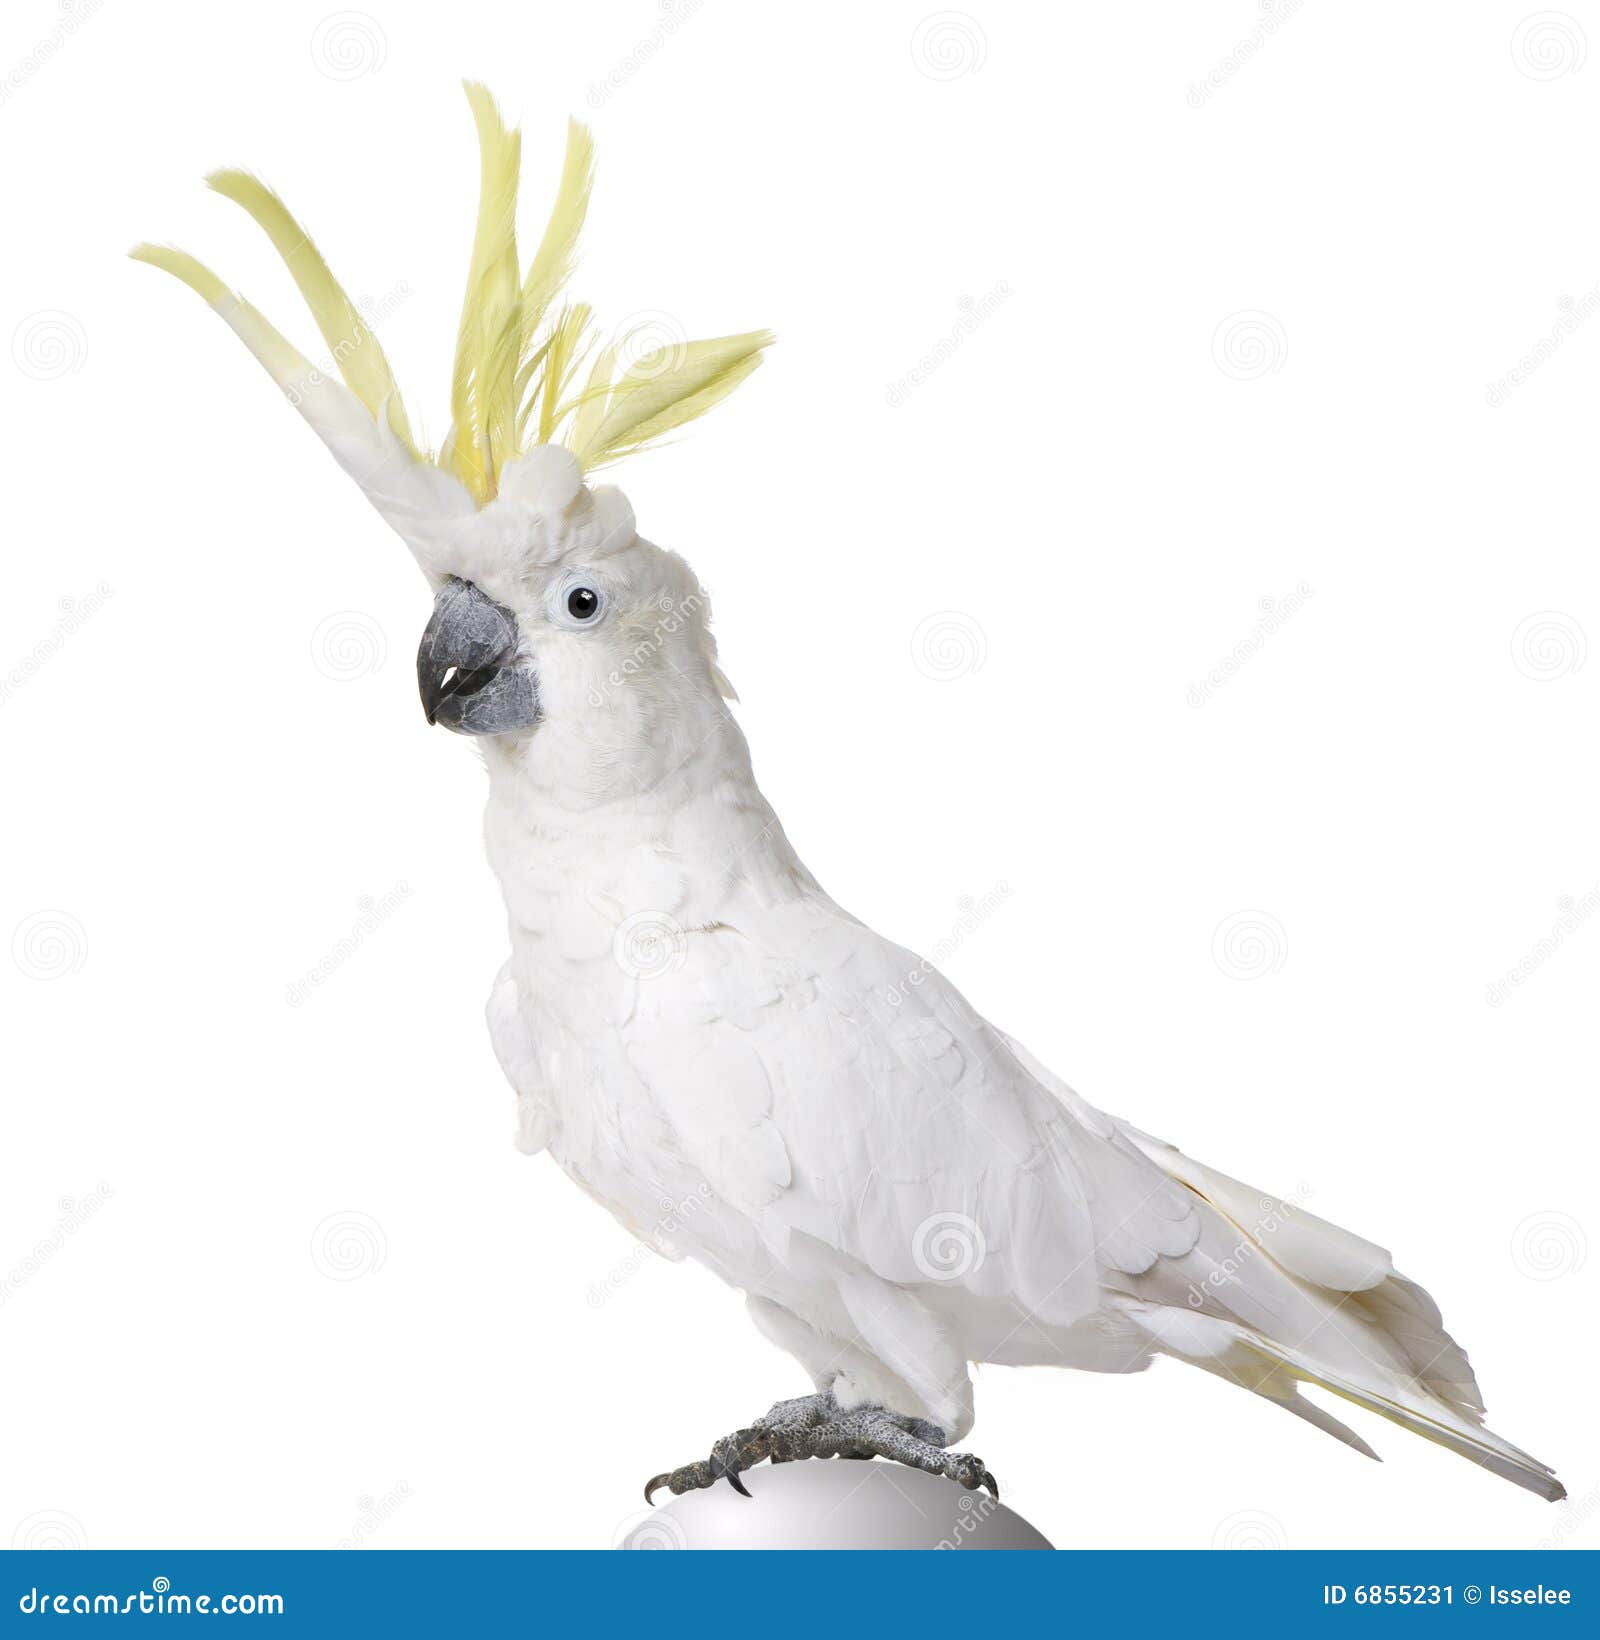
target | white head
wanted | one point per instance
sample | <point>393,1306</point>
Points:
<point>582,650</point>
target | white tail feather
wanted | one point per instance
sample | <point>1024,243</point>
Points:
<point>1277,1297</point>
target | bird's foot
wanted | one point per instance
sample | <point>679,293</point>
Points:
<point>816,1426</point>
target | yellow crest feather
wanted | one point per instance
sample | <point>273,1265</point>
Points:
<point>664,390</point>
<point>552,262</point>
<point>282,360</point>
<point>516,364</point>
<point>356,351</point>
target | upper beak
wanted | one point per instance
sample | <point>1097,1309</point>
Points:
<point>467,669</point>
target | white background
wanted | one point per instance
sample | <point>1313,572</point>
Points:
<point>214,760</point>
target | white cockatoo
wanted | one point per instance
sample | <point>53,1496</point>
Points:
<point>704,1041</point>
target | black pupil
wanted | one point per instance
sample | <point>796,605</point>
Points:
<point>582,602</point>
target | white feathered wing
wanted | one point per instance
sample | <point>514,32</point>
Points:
<point>896,1180</point>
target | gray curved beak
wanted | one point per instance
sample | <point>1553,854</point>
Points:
<point>468,671</point>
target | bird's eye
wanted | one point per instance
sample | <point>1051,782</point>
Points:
<point>583,603</point>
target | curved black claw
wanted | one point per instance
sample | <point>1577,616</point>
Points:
<point>993,1485</point>
<point>653,1485</point>
<point>738,1485</point>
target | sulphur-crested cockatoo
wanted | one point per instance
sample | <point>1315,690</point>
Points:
<point>703,1040</point>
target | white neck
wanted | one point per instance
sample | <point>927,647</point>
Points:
<point>694,842</point>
